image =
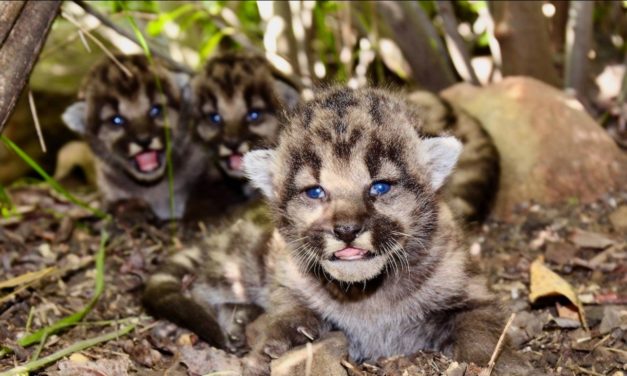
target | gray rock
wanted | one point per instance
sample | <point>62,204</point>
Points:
<point>611,319</point>
<point>618,218</point>
<point>550,148</point>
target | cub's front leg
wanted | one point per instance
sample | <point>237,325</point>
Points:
<point>288,326</point>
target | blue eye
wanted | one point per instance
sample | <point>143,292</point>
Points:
<point>253,116</point>
<point>117,120</point>
<point>379,188</point>
<point>155,111</point>
<point>315,192</point>
<point>215,118</point>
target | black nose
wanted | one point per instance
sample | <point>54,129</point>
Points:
<point>347,233</point>
<point>143,140</point>
<point>231,143</point>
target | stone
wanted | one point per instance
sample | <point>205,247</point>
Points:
<point>611,319</point>
<point>551,150</point>
<point>326,356</point>
<point>456,369</point>
<point>618,218</point>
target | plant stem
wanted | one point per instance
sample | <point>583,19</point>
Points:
<point>78,346</point>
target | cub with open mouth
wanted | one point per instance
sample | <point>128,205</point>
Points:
<point>238,99</point>
<point>123,110</point>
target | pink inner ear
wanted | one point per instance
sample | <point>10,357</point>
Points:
<point>235,162</point>
<point>147,161</point>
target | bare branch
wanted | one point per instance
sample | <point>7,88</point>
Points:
<point>418,40</point>
<point>523,36</point>
<point>111,25</point>
<point>23,31</point>
<point>455,43</point>
<point>578,42</point>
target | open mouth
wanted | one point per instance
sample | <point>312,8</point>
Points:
<point>148,160</point>
<point>351,254</point>
<point>234,162</point>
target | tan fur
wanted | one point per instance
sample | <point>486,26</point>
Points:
<point>232,85</point>
<point>107,92</point>
<point>472,186</point>
<point>414,290</point>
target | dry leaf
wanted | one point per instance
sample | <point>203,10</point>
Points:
<point>205,359</point>
<point>588,239</point>
<point>567,311</point>
<point>545,282</point>
<point>102,367</point>
<point>26,278</point>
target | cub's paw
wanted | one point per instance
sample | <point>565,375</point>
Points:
<point>233,319</point>
<point>130,212</point>
<point>285,334</point>
<point>256,364</point>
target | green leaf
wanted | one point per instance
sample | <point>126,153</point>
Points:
<point>6,206</point>
<point>155,27</point>
<point>210,45</point>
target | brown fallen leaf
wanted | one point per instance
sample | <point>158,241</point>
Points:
<point>205,359</point>
<point>567,311</point>
<point>546,283</point>
<point>81,366</point>
<point>26,278</point>
<point>587,239</point>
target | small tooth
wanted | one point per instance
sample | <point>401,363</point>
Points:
<point>156,144</point>
<point>224,151</point>
<point>243,148</point>
<point>133,149</point>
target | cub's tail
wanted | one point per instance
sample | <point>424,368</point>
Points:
<point>165,297</point>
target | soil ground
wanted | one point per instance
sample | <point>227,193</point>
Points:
<point>585,244</point>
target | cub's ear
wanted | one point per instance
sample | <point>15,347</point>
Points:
<point>259,168</point>
<point>440,155</point>
<point>288,95</point>
<point>182,82</point>
<point>75,117</point>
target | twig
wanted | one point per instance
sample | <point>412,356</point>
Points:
<point>349,366</point>
<point>455,43</point>
<point>84,41</point>
<point>309,360</point>
<point>78,346</point>
<point>99,44</point>
<point>111,25</point>
<point>499,345</point>
<point>33,111</point>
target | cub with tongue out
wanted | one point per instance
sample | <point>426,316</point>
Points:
<point>366,245</point>
<point>123,114</point>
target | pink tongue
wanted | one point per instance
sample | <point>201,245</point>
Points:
<point>147,161</point>
<point>235,162</point>
<point>350,253</point>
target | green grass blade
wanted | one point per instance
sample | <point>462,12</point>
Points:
<point>78,346</point>
<point>49,179</point>
<point>78,316</point>
<point>6,205</point>
<point>168,140</point>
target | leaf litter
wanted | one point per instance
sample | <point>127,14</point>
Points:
<point>47,271</point>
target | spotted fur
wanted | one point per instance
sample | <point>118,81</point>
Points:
<point>123,119</point>
<point>409,285</point>
<point>472,186</point>
<point>238,99</point>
